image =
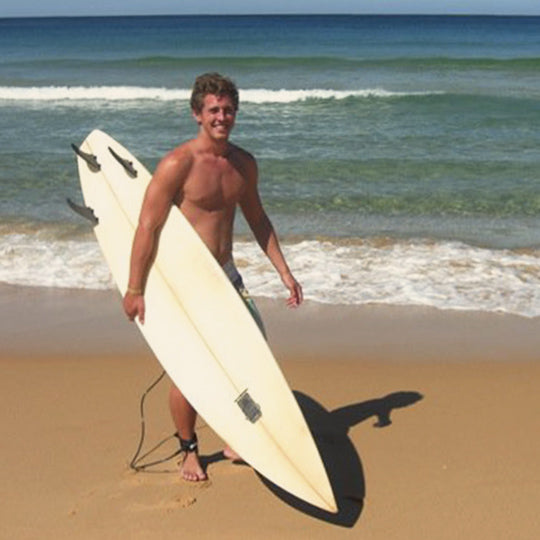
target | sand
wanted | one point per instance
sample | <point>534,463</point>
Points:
<point>426,421</point>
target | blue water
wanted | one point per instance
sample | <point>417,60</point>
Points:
<point>409,140</point>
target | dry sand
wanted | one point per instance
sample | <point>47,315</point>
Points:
<point>426,421</point>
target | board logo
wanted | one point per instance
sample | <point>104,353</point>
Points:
<point>251,409</point>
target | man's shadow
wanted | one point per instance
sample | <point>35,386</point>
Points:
<point>342,463</point>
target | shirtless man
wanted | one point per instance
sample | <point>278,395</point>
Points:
<point>206,177</point>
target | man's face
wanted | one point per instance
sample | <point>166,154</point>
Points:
<point>217,116</point>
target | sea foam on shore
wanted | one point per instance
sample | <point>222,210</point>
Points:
<point>444,275</point>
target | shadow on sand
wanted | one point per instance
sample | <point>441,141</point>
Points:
<point>330,431</point>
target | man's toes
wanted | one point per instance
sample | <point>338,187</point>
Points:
<point>196,476</point>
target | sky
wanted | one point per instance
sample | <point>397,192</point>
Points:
<point>39,8</point>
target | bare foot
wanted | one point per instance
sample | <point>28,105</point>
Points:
<point>229,453</point>
<point>191,469</point>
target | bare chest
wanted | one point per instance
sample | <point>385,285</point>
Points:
<point>213,186</point>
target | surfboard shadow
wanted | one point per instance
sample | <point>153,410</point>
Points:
<point>330,430</point>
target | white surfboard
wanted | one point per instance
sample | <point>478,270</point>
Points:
<point>201,332</point>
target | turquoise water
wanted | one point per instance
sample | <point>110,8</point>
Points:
<point>412,141</point>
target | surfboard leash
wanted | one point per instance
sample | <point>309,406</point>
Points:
<point>185,446</point>
<point>136,462</point>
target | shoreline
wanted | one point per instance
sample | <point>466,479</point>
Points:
<point>48,321</point>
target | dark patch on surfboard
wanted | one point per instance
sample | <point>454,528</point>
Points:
<point>248,406</point>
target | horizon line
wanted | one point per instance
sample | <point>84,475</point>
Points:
<point>277,14</point>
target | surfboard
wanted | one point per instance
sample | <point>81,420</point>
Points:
<point>200,330</point>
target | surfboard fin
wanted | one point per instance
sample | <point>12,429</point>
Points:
<point>85,211</point>
<point>128,165</point>
<point>90,159</point>
<point>251,409</point>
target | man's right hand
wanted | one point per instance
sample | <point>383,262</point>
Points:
<point>134,306</point>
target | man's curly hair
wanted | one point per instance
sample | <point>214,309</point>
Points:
<point>215,84</point>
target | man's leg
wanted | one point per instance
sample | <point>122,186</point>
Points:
<point>184,416</point>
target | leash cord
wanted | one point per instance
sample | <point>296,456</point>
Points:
<point>135,463</point>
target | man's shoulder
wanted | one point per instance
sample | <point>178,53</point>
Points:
<point>241,153</point>
<point>175,166</point>
<point>182,153</point>
<point>244,159</point>
<point>178,160</point>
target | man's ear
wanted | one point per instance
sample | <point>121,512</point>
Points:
<point>197,115</point>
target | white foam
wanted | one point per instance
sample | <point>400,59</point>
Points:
<point>445,275</point>
<point>73,94</point>
<point>289,96</point>
<point>37,261</point>
<point>91,93</point>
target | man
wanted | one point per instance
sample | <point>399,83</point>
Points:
<point>207,178</point>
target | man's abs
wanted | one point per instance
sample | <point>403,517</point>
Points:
<point>214,228</point>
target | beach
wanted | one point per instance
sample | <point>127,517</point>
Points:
<point>421,417</point>
<point>398,160</point>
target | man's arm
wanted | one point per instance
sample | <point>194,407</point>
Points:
<point>265,234</point>
<point>160,194</point>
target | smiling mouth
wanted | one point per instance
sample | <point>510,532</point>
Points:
<point>222,127</point>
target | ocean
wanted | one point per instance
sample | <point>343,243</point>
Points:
<point>399,156</point>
